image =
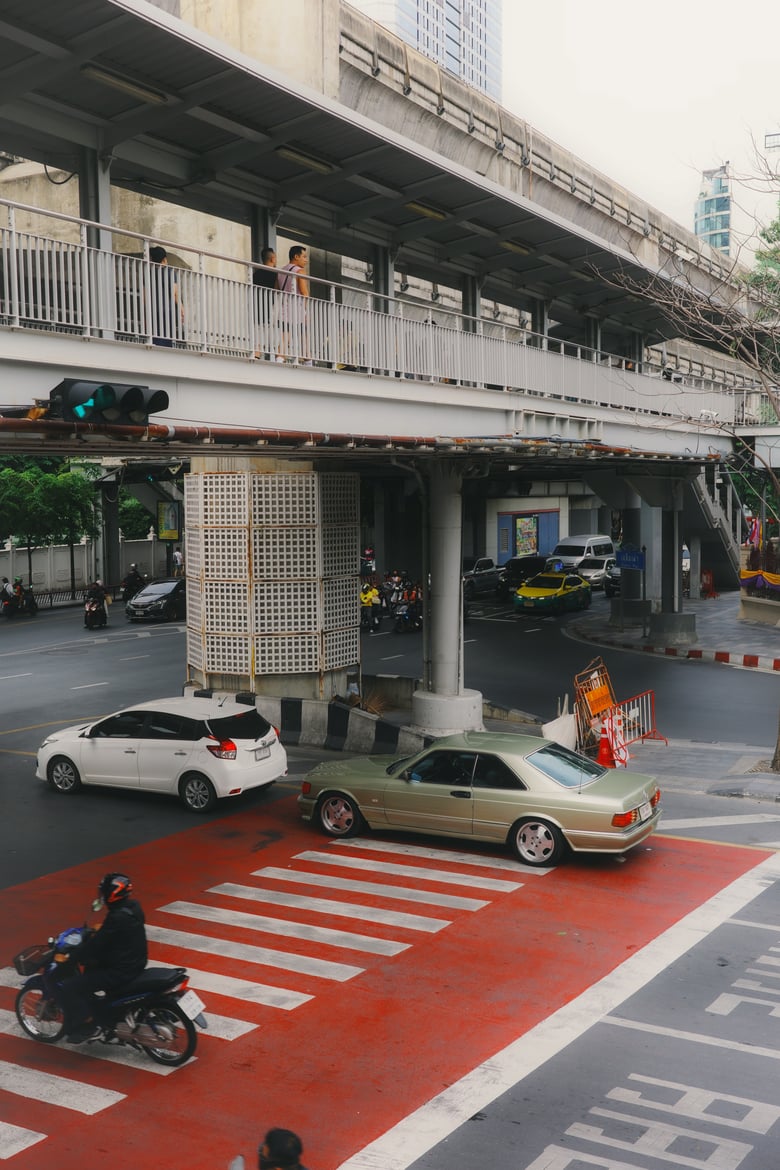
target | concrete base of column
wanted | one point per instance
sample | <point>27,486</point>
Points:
<point>672,629</point>
<point>446,714</point>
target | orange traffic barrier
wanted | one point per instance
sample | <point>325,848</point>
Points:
<point>605,756</point>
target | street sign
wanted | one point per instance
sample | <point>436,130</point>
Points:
<point>629,558</point>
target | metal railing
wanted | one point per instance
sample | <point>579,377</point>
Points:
<point>57,280</point>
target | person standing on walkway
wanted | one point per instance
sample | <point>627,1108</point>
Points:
<point>292,281</point>
<point>178,562</point>
<point>167,312</point>
<point>264,280</point>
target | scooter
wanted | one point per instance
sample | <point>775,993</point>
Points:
<point>95,616</point>
<point>408,618</point>
<point>155,1013</point>
<point>20,605</point>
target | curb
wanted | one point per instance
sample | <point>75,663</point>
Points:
<point>756,661</point>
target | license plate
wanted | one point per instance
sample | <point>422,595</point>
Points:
<point>645,811</point>
<point>191,1004</point>
<point>262,753</point>
<point>528,604</point>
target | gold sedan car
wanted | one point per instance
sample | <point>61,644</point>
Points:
<point>536,796</point>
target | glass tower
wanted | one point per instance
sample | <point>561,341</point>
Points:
<point>463,36</point>
<point>712,219</point>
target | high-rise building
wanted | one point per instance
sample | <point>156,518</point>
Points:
<point>712,220</point>
<point>463,36</point>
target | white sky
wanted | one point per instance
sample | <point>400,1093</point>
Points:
<point>652,93</point>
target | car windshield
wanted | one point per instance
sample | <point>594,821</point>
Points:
<point>248,724</point>
<point>469,563</point>
<point>159,588</point>
<point>569,550</point>
<point>591,563</point>
<point>544,582</point>
<point>565,767</point>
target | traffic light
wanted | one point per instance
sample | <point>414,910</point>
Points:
<point>105,402</point>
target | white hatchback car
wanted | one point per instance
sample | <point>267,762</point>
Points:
<point>200,749</point>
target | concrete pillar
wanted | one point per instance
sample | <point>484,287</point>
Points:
<point>384,279</point>
<point>593,334</point>
<point>95,204</point>
<point>263,232</point>
<point>540,319</point>
<point>112,569</point>
<point>445,706</point>
<point>471,301</point>
<point>694,548</point>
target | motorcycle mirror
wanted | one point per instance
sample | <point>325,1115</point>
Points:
<point>98,904</point>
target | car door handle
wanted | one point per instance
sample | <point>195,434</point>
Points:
<point>130,751</point>
<point>180,753</point>
<point>463,795</point>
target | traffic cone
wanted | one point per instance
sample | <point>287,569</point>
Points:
<point>605,756</point>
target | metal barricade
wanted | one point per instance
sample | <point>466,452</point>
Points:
<point>593,699</point>
<point>636,717</point>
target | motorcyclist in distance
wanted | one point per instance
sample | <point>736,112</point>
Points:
<point>112,955</point>
<point>132,583</point>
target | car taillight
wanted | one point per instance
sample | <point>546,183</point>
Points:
<point>223,749</point>
<point>655,797</point>
<point>305,787</point>
<point>623,820</point>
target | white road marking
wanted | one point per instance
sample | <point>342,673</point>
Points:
<point>322,968</point>
<point>373,843</point>
<point>9,1025</point>
<point>87,686</point>
<point>53,1090</point>
<point>225,1027</point>
<point>350,910</point>
<point>3,677</point>
<point>713,822</point>
<point>241,989</point>
<point>694,1037</point>
<point>435,1121</point>
<point>444,876</point>
<point>133,657</point>
<point>13,1140</point>
<point>390,657</point>
<point>399,893</point>
<point>280,926</point>
<point>757,925</point>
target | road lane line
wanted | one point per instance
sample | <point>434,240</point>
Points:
<point>441,855</point>
<point>87,686</point>
<point>3,677</point>
<point>327,906</point>
<point>437,1120</point>
<point>398,893</point>
<point>321,968</point>
<point>242,989</point>
<point>281,926</point>
<point>133,657</point>
<point>66,1092</point>
<point>694,1037</point>
<point>14,1139</point>
<point>444,876</point>
<point>707,822</point>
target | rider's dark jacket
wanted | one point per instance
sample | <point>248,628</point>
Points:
<point>119,946</point>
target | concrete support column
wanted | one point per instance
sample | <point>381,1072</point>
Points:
<point>540,319</point>
<point>111,569</point>
<point>593,334</point>
<point>471,301</point>
<point>446,706</point>
<point>95,204</point>
<point>694,578</point>
<point>672,627</point>
<point>384,279</point>
<point>263,232</point>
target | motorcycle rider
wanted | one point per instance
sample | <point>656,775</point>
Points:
<point>97,593</point>
<point>111,956</point>
<point>132,583</point>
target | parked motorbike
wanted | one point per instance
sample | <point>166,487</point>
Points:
<point>155,1013</point>
<point>95,616</point>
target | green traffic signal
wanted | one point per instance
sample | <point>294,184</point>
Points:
<point>105,402</point>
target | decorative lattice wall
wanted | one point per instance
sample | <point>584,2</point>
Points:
<point>272,572</point>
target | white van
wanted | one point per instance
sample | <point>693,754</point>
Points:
<point>573,549</point>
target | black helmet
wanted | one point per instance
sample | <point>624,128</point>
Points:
<point>115,887</point>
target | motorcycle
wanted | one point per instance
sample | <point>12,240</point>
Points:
<point>20,605</point>
<point>408,619</point>
<point>95,615</point>
<point>155,1013</point>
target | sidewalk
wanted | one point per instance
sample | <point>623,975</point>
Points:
<point>723,769</point>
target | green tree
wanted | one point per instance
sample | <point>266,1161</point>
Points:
<point>71,496</point>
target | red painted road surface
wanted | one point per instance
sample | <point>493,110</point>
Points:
<point>364,1051</point>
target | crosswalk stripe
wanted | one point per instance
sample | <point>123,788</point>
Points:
<point>242,989</point>
<point>326,906</point>
<point>405,850</point>
<point>113,1053</point>
<point>299,930</point>
<point>66,1092</point>
<point>9,977</point>
<point>225,1027</point>
<point>445,876</point>
<point>322,968</point>
<point>14,1139</point>
<point>399,893</point>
